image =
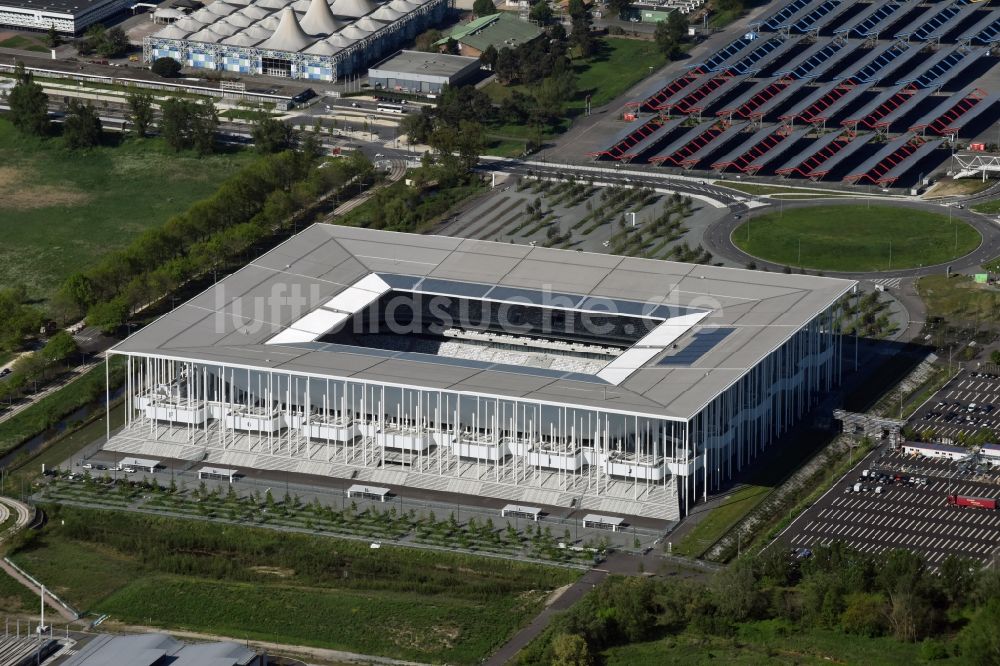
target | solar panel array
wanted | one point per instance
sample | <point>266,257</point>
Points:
<point>843,67</point>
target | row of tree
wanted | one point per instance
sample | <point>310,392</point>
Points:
<point>836,589</point>
<point>34,368</point>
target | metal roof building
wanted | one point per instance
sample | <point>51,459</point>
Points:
<point>66,16</point>
<point>527,374</point>
<point>416,71</point>
<point>161,650</point>
<point>301,39</point>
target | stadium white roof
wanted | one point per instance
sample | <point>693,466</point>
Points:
<point>339,268</point>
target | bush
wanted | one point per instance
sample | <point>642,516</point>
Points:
<point>932,650</point>
<point>166,67</point>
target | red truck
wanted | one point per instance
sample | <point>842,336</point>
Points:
<point>976,502</point>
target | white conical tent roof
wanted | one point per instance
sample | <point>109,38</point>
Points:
<point>190,24</point>
<point>172,32</point>
<point>319,19</point>
<point>323,48</point>
<point>255,13</point>
<point>369,24</point>
<point>354,32</point>
<point>300,7</point>
<point>387,13</point>
<point>241,39</point>
<point>404,6</point>
<point>289,35</point>
<point>240,20</point>
<point>225,29</point>
<point>341,41</point>
<point>220,9</point>
<point>272,4</point>
<point>354,8</point>
<point>270,23</point>
<point>203,15</point>
<point>206,35</point>
<point>259,33</point>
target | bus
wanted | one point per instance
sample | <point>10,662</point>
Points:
<point>390,108</point>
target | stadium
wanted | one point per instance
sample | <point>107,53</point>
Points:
<point>299,39</point>
<point>618,385</point>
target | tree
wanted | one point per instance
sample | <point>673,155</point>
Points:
<point>665,40</point>
<point>271,135</point>
<point>995,357</point>
<point>619,8</point>
<point>175,123</point>
<point>53,38</point>
<point>677,26</point>
<point>166,67</point>
<point>864,615</point>
<point>205,123</point>
<point>541,12</point>
<point>59,348</point>
<point>570,650</point>
<point>29,106</point>
<point>92,39</point>
<point>82,127</point>
<point>506,67</point>
<point>109,316</point>
<point>731,6</point>
<point>484,8</point>
<point>140,107</point>
<point>582,36</point>
<point>980,639</point>
<point>114,43</point>
<point>489,56</point>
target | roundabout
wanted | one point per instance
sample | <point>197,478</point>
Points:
<point>855,238</point>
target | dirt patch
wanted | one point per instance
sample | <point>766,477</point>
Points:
<point>17,192</point>
<point>439,637</point>
<point>278,572</point>
<point>948,187</point>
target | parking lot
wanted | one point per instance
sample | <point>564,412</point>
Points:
<point>967,404</point>
<point>909,510</point>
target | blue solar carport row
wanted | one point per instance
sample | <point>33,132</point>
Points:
<point>827,155</point>
<point>931,21</point>
<point>684,98</point>
<point>935,31</point>
<point>790,12</point>
<point>821,16</point>
<point>721,57</point>
<point>751,60</point>
<point>751,155</point>
<point>987,31</point>
<point>654,101</point>
<point>719,142</point>
<point>704,103</point>
<point>830,63</point>
<point>823,97</point>
<point>688,143</point>
<point>955,112</point>
<point>883,60</point>
<point>945,66</point>
<point>749,104</point>
<point>872,23</point>
<point>841,104</point>
<point>893,161</point>
<point>814,57</point>
<point>650,141</point>
<point>871,115</point>
<point>633,133</point>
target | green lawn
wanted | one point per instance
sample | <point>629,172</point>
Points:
<point>720,520</point>
<point>958,299</point>
<point>855,238</point>
<point>989,208</point>
<point>617,66</point>
<point>429,606</point>
<point>61,210</point>
<point>25,43</point>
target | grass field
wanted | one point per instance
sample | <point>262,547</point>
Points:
<point>617,66</point>
<point>855,238</point>
<point>959,299</point>
<point>720,520</point>
<point>61,210</point>
<point>25,43</point>
<point>988,208</point>
<point>290,588</point>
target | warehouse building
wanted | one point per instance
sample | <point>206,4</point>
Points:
<point>66,16</point>
<point>299,39</point>
<point>497,30</point>
<point>419,72</point>
<point>618,385</point>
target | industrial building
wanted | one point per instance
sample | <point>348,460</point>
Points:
<point>299,39</point>
<point>500,31</point>
<point>66,16</point>
<point>618,385</point>
<point>419,72</point>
